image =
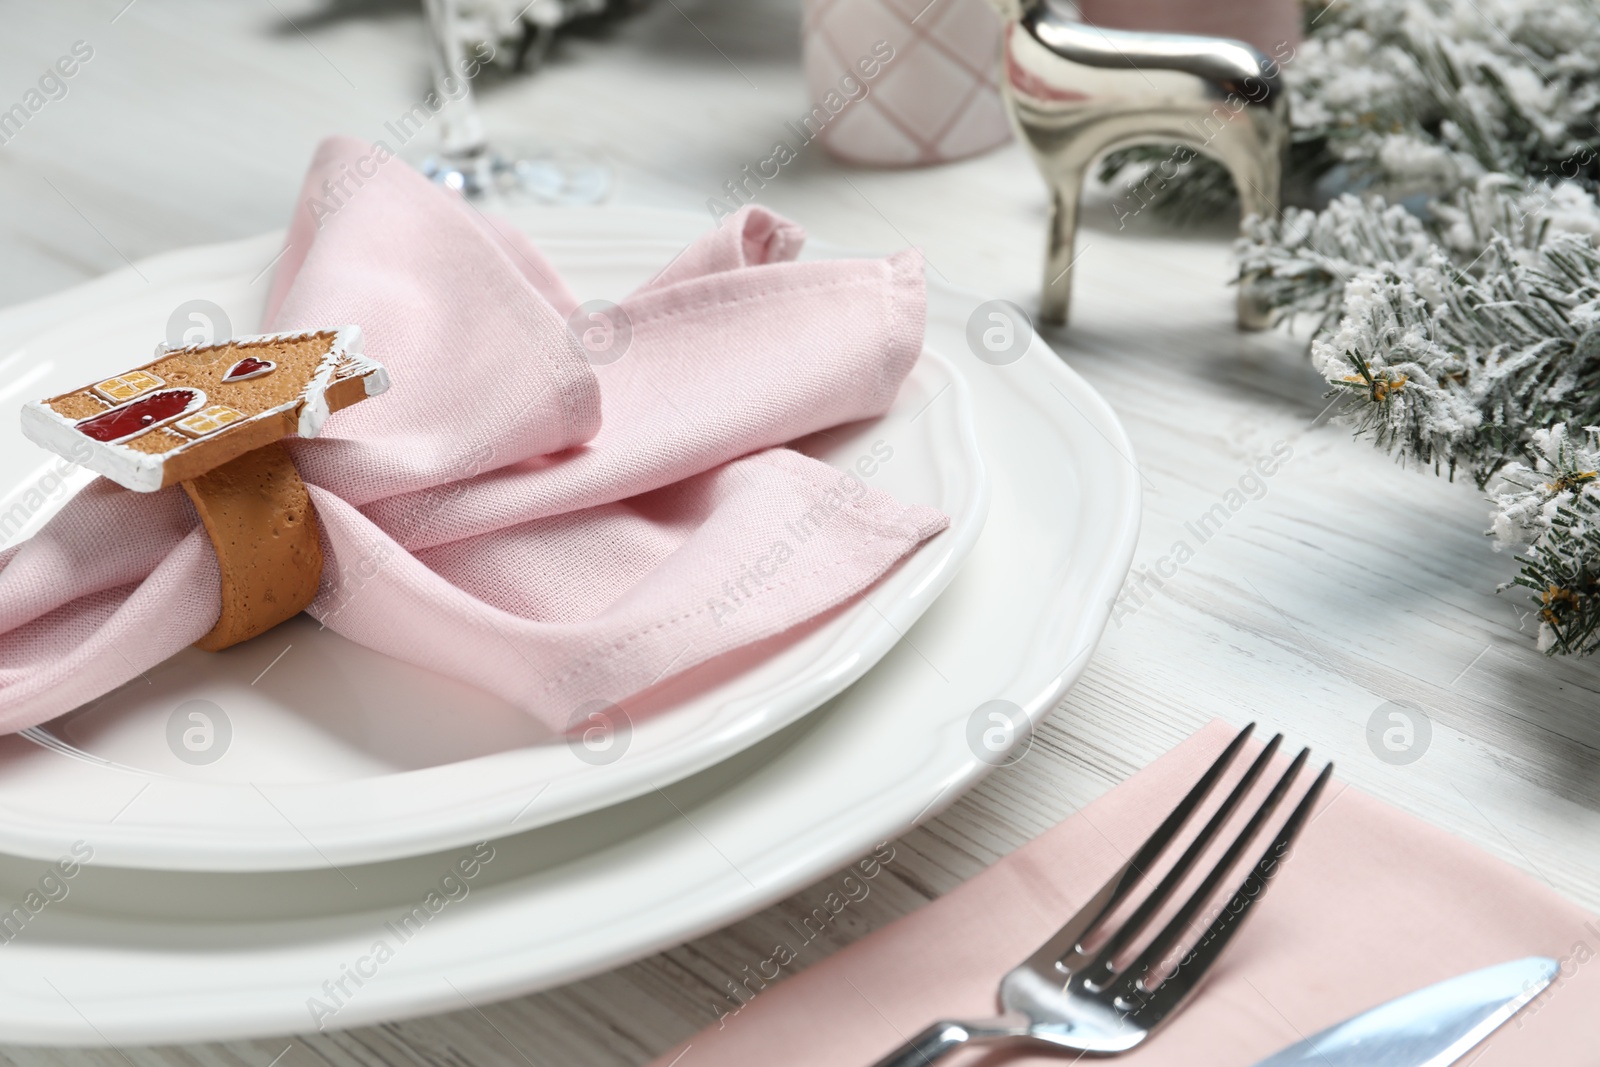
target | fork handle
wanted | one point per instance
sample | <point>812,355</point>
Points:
<point>944,1037</point>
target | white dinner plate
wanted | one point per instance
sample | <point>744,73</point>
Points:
<point>144,957</point>
<point>301,748</point>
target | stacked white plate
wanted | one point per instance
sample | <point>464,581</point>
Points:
<point>300,833</point>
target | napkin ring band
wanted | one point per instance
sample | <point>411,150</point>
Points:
<point>263,528</point>
<point>213,417</point>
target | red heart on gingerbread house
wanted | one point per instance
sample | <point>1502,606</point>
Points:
<point>249,367</point>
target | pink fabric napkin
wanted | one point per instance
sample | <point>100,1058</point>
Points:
<point>507,514</point>
<point>1371,904</point>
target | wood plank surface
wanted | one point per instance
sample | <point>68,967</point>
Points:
<point>1348,583</point>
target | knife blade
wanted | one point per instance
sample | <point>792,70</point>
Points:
<point>1432,1027</point>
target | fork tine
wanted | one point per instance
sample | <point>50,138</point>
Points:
<point>1199,958</point>
<point>1117,888</point>
<point>1130,981</point>
<point>1102,967</point>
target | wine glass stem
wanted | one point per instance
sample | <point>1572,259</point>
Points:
<point>461,131</point>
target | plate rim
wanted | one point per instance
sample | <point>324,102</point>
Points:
<point>841,661</point>
<point>499,967</point>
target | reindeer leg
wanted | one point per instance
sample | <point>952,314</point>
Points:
<point>1066,186</point>
<point>1255,158</point>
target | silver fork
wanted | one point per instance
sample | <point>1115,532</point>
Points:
<point>1071,999</point>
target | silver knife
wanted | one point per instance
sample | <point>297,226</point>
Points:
<point>1433,1027</point>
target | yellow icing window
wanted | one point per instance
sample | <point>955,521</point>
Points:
<point>210,420</point>
<point>127,386</point>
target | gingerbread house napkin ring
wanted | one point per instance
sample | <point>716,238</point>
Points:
<point>212,418</point>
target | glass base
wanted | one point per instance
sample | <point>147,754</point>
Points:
<point>547,177</point>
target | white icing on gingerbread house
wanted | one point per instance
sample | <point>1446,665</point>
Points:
<point>194,408</point>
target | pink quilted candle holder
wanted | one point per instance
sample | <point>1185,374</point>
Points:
<point>904,82</point>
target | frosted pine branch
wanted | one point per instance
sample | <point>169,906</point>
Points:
<point>1456,367</point>
<point>1415,99</point>
<point>1493,367</point>
<point>1550,511</point>
<point>1302,262</point>
<point>1452,276</point>
<point>1407,386</point>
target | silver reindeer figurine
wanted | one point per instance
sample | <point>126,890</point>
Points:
<point>1077,92</point>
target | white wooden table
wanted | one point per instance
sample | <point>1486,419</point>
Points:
<point>1348,584</point>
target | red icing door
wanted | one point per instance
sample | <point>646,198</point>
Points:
<point>140,415</point>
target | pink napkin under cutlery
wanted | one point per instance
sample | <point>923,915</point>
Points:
<point>1371,904</point>
<point>507,514</point>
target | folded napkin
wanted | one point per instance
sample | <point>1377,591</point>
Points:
<point>507,514</point>
<point>1371,904</point>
